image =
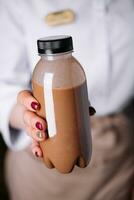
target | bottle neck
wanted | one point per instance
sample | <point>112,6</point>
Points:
<point>56,56</point>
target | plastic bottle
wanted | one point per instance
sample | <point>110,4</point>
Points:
<point>59,85</point>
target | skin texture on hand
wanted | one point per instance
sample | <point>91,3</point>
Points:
<point>34,125</point>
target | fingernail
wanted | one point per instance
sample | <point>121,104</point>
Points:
<point>92,111</point>
<point>36,154</point>
<point>39,135</point>
<point>35,105</point>
<point>39,126</point>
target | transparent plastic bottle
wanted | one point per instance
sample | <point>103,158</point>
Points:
<point>59,84</point>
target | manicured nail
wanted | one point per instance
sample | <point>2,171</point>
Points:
<point>35,105</point>
<point>39,135</point>
<point>36,154</point>
<point>92,111</point>
<point>39,126</point>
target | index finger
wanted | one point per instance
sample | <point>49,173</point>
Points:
<point>26,99</point>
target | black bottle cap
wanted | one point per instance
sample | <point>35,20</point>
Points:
<point>55,44</point>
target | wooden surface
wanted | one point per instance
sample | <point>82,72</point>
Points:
<point>3,190</point>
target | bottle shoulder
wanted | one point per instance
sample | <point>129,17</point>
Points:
<point>66,72</point>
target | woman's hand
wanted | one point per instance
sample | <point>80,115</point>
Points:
<point>34,125</point>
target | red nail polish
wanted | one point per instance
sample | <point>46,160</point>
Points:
<point>36,154</point>
<point>39,126</point>
<point>35,105</point>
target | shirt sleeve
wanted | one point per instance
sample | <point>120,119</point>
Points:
<point>14,71</point>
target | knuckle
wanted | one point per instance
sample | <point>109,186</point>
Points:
<point>27,117</point>
<point>33,134</point>
<point>34,119</point>
<point>28,131</point>
<point>19,96</point>
<point>22,96</point>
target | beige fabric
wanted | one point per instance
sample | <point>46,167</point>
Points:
<point>108,177</point>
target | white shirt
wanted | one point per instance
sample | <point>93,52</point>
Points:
<point>103,34</point>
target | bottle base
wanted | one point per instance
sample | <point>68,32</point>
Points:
<point>80,162</point>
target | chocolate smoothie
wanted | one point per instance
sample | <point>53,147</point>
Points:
<point>70,145</point>
<point>59,85</point>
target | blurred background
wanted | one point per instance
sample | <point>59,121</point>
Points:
<point>3,189</point>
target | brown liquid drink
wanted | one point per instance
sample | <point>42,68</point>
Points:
<point>64,104</point>
<point>68,147</point>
